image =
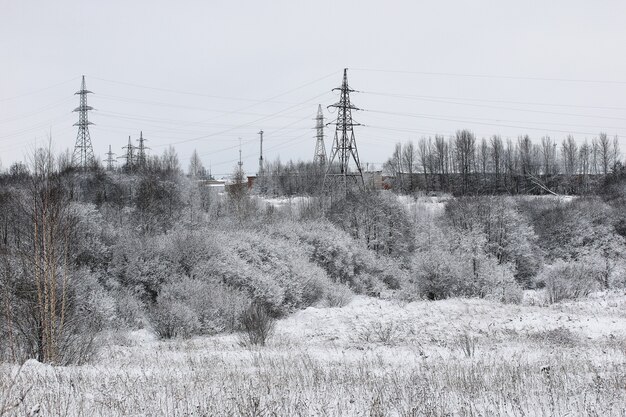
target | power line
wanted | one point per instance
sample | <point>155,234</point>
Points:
<point>256,101</point>
<point>433,117</point>
<point>505,77</point>
<point>542,123</point>
<point>525,110</point>
<point>269,117</point>
<point>38,91</point>
<point>530,103</point>
<point>37,111</point>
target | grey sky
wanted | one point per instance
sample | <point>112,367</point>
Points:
<point>255,65</point>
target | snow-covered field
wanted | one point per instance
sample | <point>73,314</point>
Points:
<point>373,357</point>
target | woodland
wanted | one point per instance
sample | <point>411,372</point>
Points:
<point>154,247</point>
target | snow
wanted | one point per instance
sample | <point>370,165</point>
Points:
<point>341,361</point>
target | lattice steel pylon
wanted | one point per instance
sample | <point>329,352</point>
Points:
<point>83,157</point>
<point>130,156</point>
<point>344,144</point>
<point>110,160</point>
<point>141,152</point>
<point>319,158</point>
<point>261,155</point>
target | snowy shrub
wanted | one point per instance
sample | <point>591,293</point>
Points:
<point>497,282</point>
<point>439,274</point>
<point>466,343</point>
<point>82,304</point>
<point>188,306</point>
<point>583,228</point>
<point>338,296</point>
<point>88,239</point>
<point>257,324</point>
<point>565,280</point>
<point>457,265</point>
<point>345,260</point>
<point>173,318</point>
<point>386,332</point>
<point>269,269</point>
<point>508,235</point>
<point>130,312</point>
<point>377,219</point>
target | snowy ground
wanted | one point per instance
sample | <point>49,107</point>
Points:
<point>371,358</point>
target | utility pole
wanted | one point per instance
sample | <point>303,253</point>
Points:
<point>83,158</point>
<point>261,155</point>
<point>319,158</point>
<point>110,160</point>
<point>344,145</point>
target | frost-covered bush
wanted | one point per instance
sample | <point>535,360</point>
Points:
<point>345,260</point>
<point>339,296</point>
<point>82,307</point>
<point>268,268</point>
<point>455,263</point>
<point>257,324</point>
<point>584,228</point>
<point>564,280</point>
<point>508,234</point>
<point>174,318</point>
<point>376,219</point>
<point>130,312</point>
<point>190,306</point>
<point>439,274</point>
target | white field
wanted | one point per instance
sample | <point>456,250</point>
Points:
<point>373,357</point>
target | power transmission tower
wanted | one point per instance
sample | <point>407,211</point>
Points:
<point>83,158</point>
<point>110,160</point>
<point>344,145</point>
<point>141,152</point>
<point>130,155</point>
<point>319,158</point>
<point>261,155</point>
<point>240,163</point>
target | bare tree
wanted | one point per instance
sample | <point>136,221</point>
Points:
<point>605,152</point>
<point>483,158</point>
<point>615,154</point>
<point>442,160</point>
<point>595,157</point>
<point>425,157</point>
<point>169,161</point>
<point>196,169</point>
<point>569,153</point>
<point>409,162</point>
<point>465,149</point>
<point>394,166</point>
<point>497,156</point>
<point>584,157</point>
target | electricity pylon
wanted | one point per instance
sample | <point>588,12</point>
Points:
<point>319,158</point>
<point>83,158</point>
<point>261,155</point>
<point>344,145</point>
<point>130,156</point>
<point>141,152</point>
<point>110,160</point>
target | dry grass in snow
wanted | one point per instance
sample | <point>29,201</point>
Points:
<point>371,358</point>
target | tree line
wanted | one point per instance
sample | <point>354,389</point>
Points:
<point>464,165</point>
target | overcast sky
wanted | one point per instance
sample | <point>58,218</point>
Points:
<point>201,74</point>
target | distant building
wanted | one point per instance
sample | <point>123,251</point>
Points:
<point>373,180</point>
<point>218,186</point>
